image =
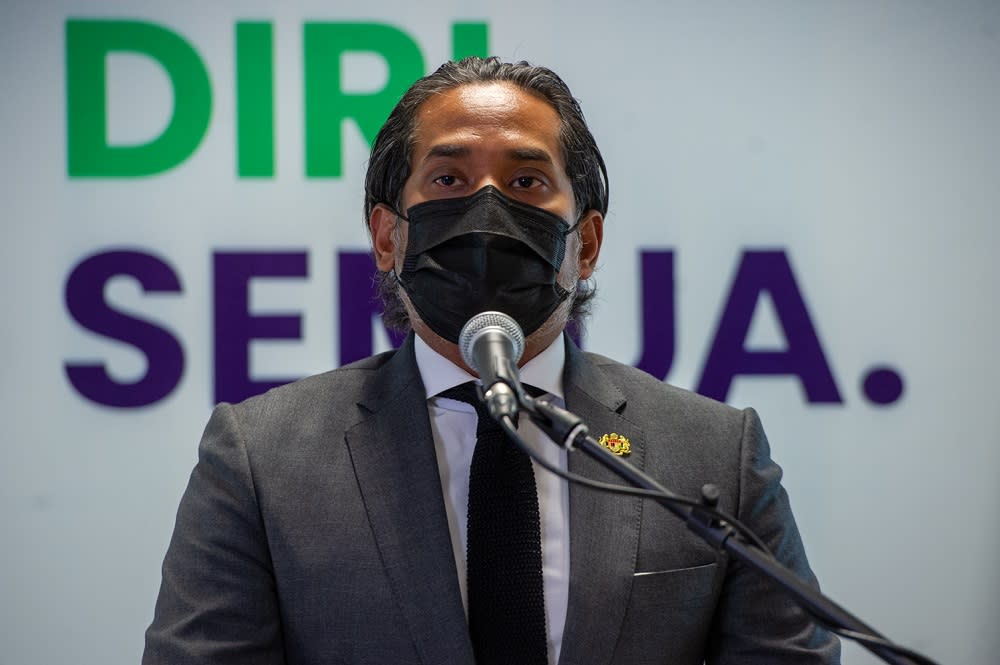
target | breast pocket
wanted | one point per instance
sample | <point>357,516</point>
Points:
<point>680,587</point>
<point>669,615</point>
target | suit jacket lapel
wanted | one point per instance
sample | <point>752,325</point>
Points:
<point>604,528</point>
<point>393,455</point>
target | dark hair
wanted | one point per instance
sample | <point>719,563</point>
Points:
<point>389,166</point>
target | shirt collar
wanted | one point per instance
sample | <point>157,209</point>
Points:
<point>543,371</point>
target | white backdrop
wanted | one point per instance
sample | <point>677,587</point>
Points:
<point>859,140</point>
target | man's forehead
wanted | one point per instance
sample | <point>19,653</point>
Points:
<point>448,123</point>
<point>485,96</point>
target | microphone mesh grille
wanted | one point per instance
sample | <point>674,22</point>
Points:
<point>483,321</point>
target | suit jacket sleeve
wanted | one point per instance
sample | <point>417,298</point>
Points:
<point>756,622</point>
<point>217,601</point>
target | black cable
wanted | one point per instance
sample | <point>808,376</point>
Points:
<point>738,526</point>
<point>871,640</point>
<point>508,426</point>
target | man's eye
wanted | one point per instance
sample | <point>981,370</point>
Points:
<point>446,180</point>
<point>527,182</point>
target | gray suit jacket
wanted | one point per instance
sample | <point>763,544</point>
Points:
<point>313,530</point>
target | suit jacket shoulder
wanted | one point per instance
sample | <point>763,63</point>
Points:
<point>310,404</point>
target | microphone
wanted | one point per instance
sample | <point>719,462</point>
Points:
<point>491,343</point>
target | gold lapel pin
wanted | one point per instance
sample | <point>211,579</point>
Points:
<point>616,443</point>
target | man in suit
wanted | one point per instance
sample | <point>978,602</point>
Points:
<point>330,520</point>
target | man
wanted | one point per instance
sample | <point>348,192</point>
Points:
<point>333,520</point>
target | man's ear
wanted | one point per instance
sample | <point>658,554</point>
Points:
<point>381,222</point>
<point>591,237</point>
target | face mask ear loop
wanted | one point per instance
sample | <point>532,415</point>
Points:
<point>398,214</point>
<point>575,226</point>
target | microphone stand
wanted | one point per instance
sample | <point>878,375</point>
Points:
<point>569,431</point>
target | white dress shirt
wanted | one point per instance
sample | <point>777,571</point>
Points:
<point>454,426</point>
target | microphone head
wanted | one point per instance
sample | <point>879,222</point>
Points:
<point>489,321</point>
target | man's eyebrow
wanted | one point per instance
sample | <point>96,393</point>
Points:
<point>518,154</point>
<point>530,155</point>
<point>446,150</point>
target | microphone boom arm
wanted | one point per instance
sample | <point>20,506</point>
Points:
<point>568,430</point>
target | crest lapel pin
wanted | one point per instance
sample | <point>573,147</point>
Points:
<point>616,443</point>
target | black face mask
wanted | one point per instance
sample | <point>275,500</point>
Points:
<point>479,253</point>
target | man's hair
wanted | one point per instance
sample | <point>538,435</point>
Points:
<point>389,166</point>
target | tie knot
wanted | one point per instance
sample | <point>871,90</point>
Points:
<point>463,392</point>
<point>466,392</point>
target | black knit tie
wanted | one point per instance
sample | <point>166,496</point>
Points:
<point>504,552</point>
